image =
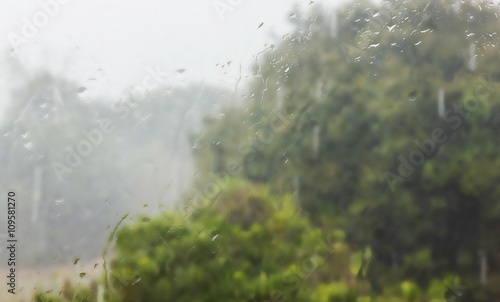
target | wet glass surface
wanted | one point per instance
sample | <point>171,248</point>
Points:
<point>231,150</point>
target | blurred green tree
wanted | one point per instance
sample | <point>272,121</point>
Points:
<point>391,132</point>
<point>247,245</point>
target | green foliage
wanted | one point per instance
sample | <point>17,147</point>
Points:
<point>248,245</point>
<point>369,94</point>
<point>334,292</point>
<point>410,291</point>
<point>69,292</point>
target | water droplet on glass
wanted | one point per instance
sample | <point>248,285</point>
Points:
<point>136,281</point>
<point>413,95</point>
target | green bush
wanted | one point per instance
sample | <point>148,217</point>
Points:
<point>248,245</point>
<point>69,292</point>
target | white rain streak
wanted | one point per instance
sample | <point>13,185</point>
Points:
<point>472,57</point>
<point>441,102</point>
<point>37,180</point>
<point>315,142</point>
<point>483,264</point>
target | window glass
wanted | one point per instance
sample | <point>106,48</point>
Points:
<point>231,150</point>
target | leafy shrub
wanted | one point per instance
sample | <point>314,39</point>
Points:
<point>248,245</point>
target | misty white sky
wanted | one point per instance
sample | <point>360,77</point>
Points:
<point>124,37</point>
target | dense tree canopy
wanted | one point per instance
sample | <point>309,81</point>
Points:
<point>365,145</point>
